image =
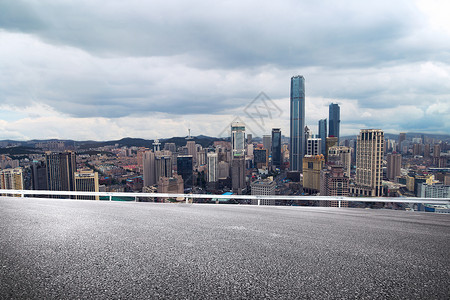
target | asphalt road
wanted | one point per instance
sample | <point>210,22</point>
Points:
<point>105,250</point>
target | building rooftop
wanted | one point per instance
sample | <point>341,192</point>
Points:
<point>52,248</point>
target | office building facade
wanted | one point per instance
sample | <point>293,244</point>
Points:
<point>11,179</point>
<point>323,134</point>
<point>297,123</point>
<point>86,181</point>
<point>313,146</point>
<point>312,165</point>
<point>213,167</point>
<point>237,139</point>
<point>185,170</point>
<point>61,168</point>
<point>369,163</point>
<point>394,163</point>
<point>334,119</point>
<point>277,159</point>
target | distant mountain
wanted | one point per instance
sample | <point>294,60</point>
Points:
<point>27,147</point>
<point>20,150</point>
<point>409,135</point>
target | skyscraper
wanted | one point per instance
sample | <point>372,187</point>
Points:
<point>238,139</point>
<point>369,163</point>
<point>39,175</point>
<point>61,168</point>
<point>394,163</point>
<point>267,142</point>
<point>340,156</point>
<point>86,181</point>
<point>323,134</point>
<point>276,148</point>
<point>312,165</point>
<point>297,124</point>
<point>163,166</point>
<point>185,169</point>
<point>334,118</point>
<point>331,141</point>
<point>401,138</point>
<point>238,174</point>
<point>192,150</point>
<point>11,179</point>
<point>148,162</point>
<point>334,182</point>
<point>213,167</point>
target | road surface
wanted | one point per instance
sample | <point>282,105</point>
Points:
<point>60,249</point>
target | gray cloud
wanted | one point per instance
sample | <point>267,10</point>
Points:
<point>89,59</point>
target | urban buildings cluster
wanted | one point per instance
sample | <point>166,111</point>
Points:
<point>371,164</point>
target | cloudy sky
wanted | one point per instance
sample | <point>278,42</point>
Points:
<point>90,69</point>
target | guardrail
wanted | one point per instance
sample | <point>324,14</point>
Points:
<point>187,197</point>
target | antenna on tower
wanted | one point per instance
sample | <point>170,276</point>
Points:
<point>189,134</point>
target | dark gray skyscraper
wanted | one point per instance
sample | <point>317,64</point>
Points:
<point>185,169</point>
<point>323,134</point>
<point>297,123</point>
<point>61,168</point>
<point>276,147</point>
<point>334,118</point>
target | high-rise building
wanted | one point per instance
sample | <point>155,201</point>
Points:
<point>334,119</point>
<point>170,147</point>
<point>369,163</point>
<point>148,159</point>
<point>307,135</point>
<point>436,150</point>
<point>417,149</point>
<point>426,150</point>
<point>192,150</point>
<point>334,182</point>
<point>263,187</point>
<point>276,148</point>
<point>238,174</point>
<point>267,142</point>
<point>340,156</point>
<point>437,190</point>
<point>238,139</point>
<point>11,179</point>
<point>61,168</point>
<point>437,155</point>
<point>313,146</point>
<point>394,163</point>
<point>261,158</point>
<point>331,142</point>
<point>401,138</point>
<point>224,170</point>
<point>86,181</point>
<point>312,165</point>
<point>163,166</point>
<point>171,185</point>
<point>213,167</point>
<point>323,134</point>
<point>39,175</point>
<point>249,138</point>
<point>297,122</point>
<point>185,169</point>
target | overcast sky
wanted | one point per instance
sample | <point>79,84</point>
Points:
<point>90,69</point>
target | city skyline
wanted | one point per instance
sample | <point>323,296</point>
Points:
<point>84,71</point>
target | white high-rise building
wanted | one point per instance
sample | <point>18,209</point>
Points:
<point>369,163</point>
<point>238,139</point>
<point>213,167</point>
